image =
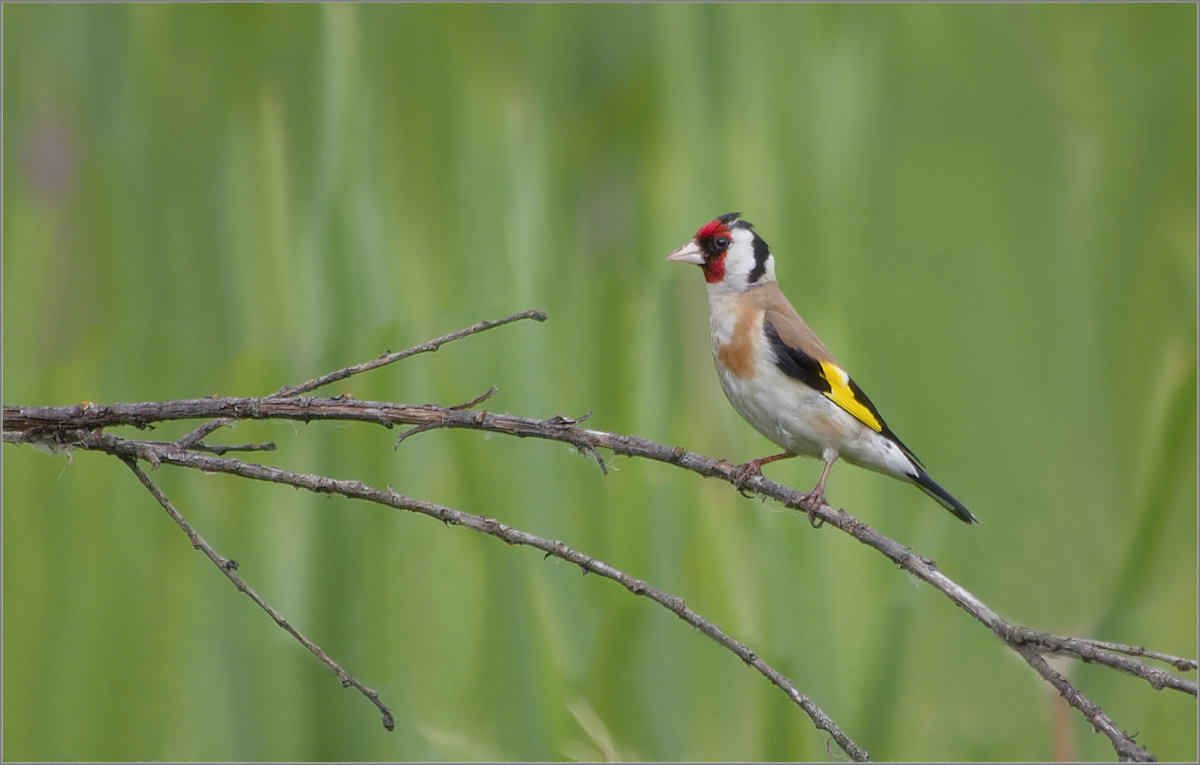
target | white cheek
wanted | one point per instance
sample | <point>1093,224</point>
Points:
<point>739,262</point>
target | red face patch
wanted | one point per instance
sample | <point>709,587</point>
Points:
<point>714,259</point>
<point>714,269</point>
<point>712,228</point>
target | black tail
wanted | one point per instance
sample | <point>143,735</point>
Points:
<point>930,487</point>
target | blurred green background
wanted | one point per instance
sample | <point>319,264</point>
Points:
<point>987,211</point>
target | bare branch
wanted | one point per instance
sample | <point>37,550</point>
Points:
<point>167,453</point>
<point>227,567</point>
<point>1100,652</point>
<point>66,428</point>
<point>1127,749</point>
<point>1181,664</point>
<point>388,358</point>
<point>73,425</point>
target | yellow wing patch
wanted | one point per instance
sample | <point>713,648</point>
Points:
<point>844,396</point>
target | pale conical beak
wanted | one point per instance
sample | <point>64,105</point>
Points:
<point>689,253</point>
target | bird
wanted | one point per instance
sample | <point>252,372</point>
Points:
<point>781,378</point>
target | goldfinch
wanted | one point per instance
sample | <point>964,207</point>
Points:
<point>780,377</point>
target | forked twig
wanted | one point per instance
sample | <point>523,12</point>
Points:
<point>193,438</point>
<point>189,440</point>
<point>437,424</point>
<point>1110,654</point>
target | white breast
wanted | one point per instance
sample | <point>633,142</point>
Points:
<point>797,418</point>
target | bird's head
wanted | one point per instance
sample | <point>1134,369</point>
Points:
<point>732,256</point>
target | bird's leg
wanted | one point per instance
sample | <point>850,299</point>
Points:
<point>815,498</point>
<point>747,470</point>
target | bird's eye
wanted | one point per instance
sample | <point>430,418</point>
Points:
<point>722,242</point>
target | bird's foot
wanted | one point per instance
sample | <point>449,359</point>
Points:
<point>743,473</point>
<point>811,501</point>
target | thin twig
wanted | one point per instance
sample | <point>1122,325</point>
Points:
<point>193,438</point>
<point>163,453</point>
<point>218,450</point>
<point>415,430</point>
<point>388,358</point>
<point>1100,652</point>
<point>435,425</point>
<point>227,567</point>
<point>478,399</point>
<point>1181,664</point>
